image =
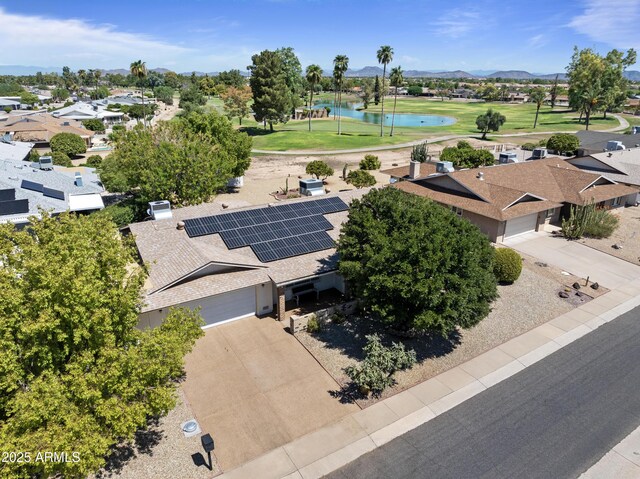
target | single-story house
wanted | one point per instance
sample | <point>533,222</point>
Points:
<point>239,262</point>
<point>14,150</point>
<point>39,128</point>
<point>511,199</point>
<point>596,141</point>
<point>87,111</point>
<point>7,102</point>
<point>622,166</point>
<point>25,188</point>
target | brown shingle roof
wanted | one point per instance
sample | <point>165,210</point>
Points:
<point>41,127</point>
<point>426,169</point>
<point>537,185</point>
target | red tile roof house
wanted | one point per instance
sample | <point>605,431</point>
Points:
<point>229,284</point>
<point>507,200</point>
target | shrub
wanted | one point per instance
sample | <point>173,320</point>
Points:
<point>467,157</point>
<point>338,318</point>
<point>414,90</point>
<point>507,265</point>
<point>60,159</point>
<point>602,225</point>
<point>529,146</point>
<point>94,124</point>
<point>464,145</point>
<point>563,143</point>
<point>543,142</point>
<point>420,152</point>
<point>7,109</point>
<point>34,156</point>
<point>360,179</point>
<point>120,214</point>
<point>68,143</point>
<point>313,325</point>
<point>319,168</point>
<point>93,161</point>
<point>589,221</point>
<point>370,162</point>
<point>375,372</point>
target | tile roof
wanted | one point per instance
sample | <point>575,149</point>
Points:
<point>173,257</point>
<point>535,186</point>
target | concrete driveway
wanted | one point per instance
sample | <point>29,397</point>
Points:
<point>254,387</point>
<point>576,258</point>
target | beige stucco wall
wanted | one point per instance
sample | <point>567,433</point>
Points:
<point>488,226</point>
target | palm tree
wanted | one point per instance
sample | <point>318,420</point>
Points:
<point>139,70</point>
<point>396,79</point>
<point>97,74</point>
<point>340,67</point>
<point>314,76</point>
<point>82,75</point>
<point>385,56</point>
<point>537,96</point>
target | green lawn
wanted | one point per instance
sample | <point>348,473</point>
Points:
<point>294,135</point>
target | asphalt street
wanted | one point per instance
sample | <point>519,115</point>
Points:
<point>555,419</point>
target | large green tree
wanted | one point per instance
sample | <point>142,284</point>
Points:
<point>68,143</point>
<point>232,78</point>
<point>490,121</point>
<point>415,264</point>
<point>537,96</point>
<point>395,79</point>
<point>271,95</point>
<point>138,69</point>
<point>385,56</point>
<point>185,161</point>
<point>292,74</point>
<point>340,67</point>
<point>463,155</point>
<point>236,102</point>
<point>76,375</point>
<point>313,77</point>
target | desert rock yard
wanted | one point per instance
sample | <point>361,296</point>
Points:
<point>626,236</point>
<point>531,301</point>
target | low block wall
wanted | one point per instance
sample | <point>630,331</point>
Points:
<point>299,323</point>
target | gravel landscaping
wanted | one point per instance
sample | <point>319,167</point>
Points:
<point>627,235</point>
<point>531,301</point>
<point>161,452</point>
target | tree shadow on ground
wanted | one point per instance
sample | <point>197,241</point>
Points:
<point>256,131</point>
<point>143,443</point>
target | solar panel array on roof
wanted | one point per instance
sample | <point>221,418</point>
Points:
<point>51,193</point>
<point>31,185</point>
<point>274,232</point>
<point>14,207</point>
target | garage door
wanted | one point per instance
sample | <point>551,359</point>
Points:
<point>521,225</point>
<point>228,306</point>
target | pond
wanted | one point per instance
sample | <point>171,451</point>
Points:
<point>350,110</point>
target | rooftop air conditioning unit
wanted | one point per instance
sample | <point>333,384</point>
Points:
<point>635,130</point>
<point>444,167</point>
<point>311,187</point>
<point>46,163</point>
<point>539,153</point>
<point>614,146</point>
<point>78,179</point>
<point>159,210</point>
<point>508,157</point>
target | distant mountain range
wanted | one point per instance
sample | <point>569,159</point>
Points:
<point>369,71</point>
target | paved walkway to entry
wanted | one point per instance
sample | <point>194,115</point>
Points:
<point>253,387</point>
<point>576,258</point>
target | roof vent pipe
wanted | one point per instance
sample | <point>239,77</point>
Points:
<point>480,176</point>
<point>180,225</point>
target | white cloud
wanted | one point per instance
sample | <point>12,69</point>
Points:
<point>537,41</point>
<point>38,40</point>
<point>409,60</point>
<point>614,22</point>
<point>457,22</point>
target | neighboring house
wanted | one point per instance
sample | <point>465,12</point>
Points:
<point>87,111</point>
<point>596,141</point>
<point>122,100</point>
<point>39,128</point>
<point>507,200</point>
<point>14,150</point>
<point>622,166</point>
<point>291,252</point>
<point>6,102</point>
<point>25,188</point>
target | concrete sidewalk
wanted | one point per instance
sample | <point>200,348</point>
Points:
<point>330,448</point>
<point>622,462</point>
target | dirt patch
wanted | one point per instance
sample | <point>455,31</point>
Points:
<point>626,236</point>
<point>531,301</point>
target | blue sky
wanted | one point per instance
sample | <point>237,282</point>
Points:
<point>188,35</point>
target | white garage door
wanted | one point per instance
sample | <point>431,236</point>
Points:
<point>229,306</point>
<point>521,225</point>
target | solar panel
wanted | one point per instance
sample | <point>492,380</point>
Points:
<point>31,185</point>
<point>51,193</point>
<point>295,246</point>
<point>8,194</point>
<point>14,207</point>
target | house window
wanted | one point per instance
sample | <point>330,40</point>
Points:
<point>457,210</point>
<point>550,212</point>
<point>617,201</point>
